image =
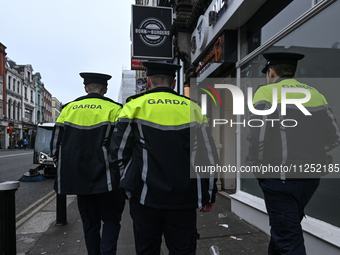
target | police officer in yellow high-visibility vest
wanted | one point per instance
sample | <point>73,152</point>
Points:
<point>151,148</point>
<point>296,139</point>
<point>80,148</point>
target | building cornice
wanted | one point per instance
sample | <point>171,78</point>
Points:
<point>13,94</point>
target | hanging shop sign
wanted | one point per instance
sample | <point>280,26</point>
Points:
<point>151,32</point>
<point>136,64</point>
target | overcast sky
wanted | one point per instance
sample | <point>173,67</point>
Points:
<point>61,38</point>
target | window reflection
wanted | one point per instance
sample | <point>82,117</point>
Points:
<point>272,17</point>
<point>319,40</point>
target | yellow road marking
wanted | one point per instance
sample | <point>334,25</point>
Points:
<point>20,222</point>
<point>34,204</point>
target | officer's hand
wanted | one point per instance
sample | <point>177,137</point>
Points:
<point>207,207</point>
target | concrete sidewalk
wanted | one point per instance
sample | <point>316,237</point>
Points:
<point>219,228</point>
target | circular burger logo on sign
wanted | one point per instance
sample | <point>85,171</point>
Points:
<point>152,32</point>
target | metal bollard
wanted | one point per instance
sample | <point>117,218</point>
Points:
<point>7,217</point>
<point>61,210</point>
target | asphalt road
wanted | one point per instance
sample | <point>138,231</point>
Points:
<point>30,195</point>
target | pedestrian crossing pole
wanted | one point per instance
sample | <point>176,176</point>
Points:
<point>7,217</point>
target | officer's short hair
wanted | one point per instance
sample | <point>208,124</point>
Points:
<point>96,88</point>
<point>161,79</point>
<point>283,69</point>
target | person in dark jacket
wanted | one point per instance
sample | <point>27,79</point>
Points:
<point>303,138</point>
<point>151,148</point>
<point>20,143</point>
<point>80,148</point>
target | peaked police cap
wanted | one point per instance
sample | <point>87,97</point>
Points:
<point>274,58</point>
<point>154,67</point>
<point>95,78</point>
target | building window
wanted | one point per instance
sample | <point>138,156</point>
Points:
<point>9,108</point>
<point>26,93</point>
<point>32,96</point>
<point>14,84</point>
<point>9,82</point>
<point>38,116</point>
<point>28,76</point>
<point>18,88</point>
<point>13,110</point>
<point>28,114</point>
<point>18,110</point>
<point>263,25</point>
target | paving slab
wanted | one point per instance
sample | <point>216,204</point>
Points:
<point>220,229</point>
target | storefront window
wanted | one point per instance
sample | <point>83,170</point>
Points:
<point>269,20</point>
<point>320,69</point>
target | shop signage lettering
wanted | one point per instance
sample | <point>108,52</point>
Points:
<point>136,64</point>
<point>219,7</point>
<point>214,55</point>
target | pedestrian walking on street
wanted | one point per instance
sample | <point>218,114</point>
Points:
<point>80,148</point>
<point>25,144</point>
<point>151,147</point>
<point>287,194</point>
<point>20,143</point>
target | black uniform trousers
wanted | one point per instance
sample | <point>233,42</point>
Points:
<point>178,227</point>
<point>285,202</point>
<point>97,208</point>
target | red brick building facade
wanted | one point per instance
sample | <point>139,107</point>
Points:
<point>47,103</point>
